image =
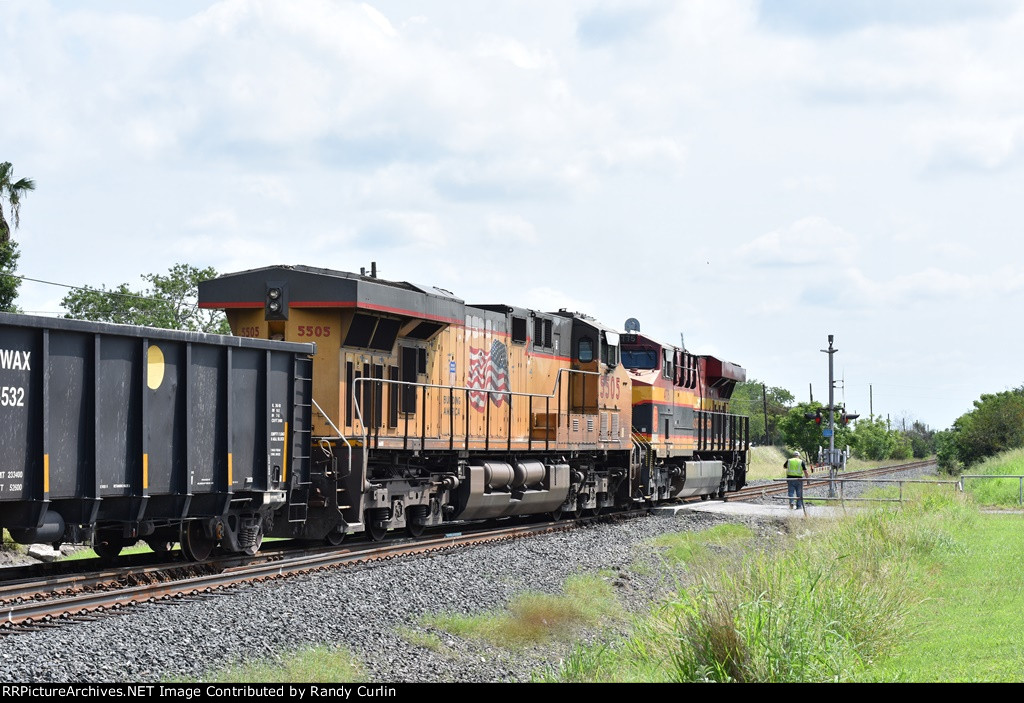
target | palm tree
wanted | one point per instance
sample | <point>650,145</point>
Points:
<point>13,191</point>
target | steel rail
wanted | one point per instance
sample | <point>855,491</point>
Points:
<point>64,608</point>
<point>760,491</point>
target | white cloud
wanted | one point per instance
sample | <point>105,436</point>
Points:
<point>511,230</point>
<point>225,219</point>
<point>807,242</point>
<point>515,52</point>
<point>552,299</point>
<point>684,163</point>
<point>964,143</point>
<point>380,21</point>
<point>270,187</point>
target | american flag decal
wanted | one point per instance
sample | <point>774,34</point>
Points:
<point>488,370</point>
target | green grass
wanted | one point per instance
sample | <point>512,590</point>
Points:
<point>537,617</point>
<point>314,664</point>
<point>997,491</point>
<point>969,626</point>
<point>8,543</point>
<point>139,548</point>
<point>426,640</point>
<point>683,547</point>
<point>766,463</point>
<point>823,607</point>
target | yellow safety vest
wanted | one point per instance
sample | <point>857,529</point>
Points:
<point>794,468</point>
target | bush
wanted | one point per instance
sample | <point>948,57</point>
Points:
<point>995,425</point>
<point>873,440</point>
<point>797,431</point>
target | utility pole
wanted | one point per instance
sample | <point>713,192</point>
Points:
<point>833,464</point>
<point>810,389</point>
<point>871,402</point>
<point>764,401</point>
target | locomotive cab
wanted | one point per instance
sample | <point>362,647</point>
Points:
<point>685,439</point>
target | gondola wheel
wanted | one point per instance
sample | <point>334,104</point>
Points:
<point>335,537</point>
<point>108,547</point>
<point>159,546</point>
<point>195,545</point>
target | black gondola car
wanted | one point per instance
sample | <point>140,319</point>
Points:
<point>117,433</point>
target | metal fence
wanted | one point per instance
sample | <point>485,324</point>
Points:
<point>1020,483</point>
<point>843,498</point>
<point>900,481</point>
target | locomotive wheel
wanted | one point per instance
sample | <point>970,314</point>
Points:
<point>195,545</point>
<point>376,529</point>
<point>414,529</point>
<point>704,496</point>
<point>108,547</point>
<point>415,521</point>
<point>577,513</point>
<point>555,515</point>
<point>334,538</point>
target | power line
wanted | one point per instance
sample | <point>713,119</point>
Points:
<point>86,288</point>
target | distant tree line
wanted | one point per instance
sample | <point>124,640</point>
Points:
<point>170,301</point>
<point>775,419</point>
<point>994,425</point>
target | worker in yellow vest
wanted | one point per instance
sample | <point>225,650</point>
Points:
<point>796,471</point>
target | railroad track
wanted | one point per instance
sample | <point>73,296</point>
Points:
<point>80,598</point>
<point>54,599</point>
<point>762,491</point>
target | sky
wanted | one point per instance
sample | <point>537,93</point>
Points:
<point>754,175</point>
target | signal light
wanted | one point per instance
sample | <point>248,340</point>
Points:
<point>275,305</point>
<point>816,416</point>
<point>846,417</point>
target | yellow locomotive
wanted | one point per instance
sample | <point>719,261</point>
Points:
<point>428,410</point>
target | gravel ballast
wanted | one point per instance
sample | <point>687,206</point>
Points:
<point>363,609</point>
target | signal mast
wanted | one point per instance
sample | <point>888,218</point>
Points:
<point>836,459</point>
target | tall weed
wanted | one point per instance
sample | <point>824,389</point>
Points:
<point>997,491</point>
<point>819,607</point>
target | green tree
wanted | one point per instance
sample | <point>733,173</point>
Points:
<point>994,425</point>
<point>749,399</point>
<point>9,282</point>
<point>170,302</point>
<point>872,439</point>
<point>12,191</point>
<point>946,452</point>
<point>806,435</point>
<point>922,439</point>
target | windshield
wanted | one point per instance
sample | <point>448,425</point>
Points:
<point>640,358</point>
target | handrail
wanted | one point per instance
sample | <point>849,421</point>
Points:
<point>335,428</point>
<point>554,391</point>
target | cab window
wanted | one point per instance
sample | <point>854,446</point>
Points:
<point>585,350</point>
